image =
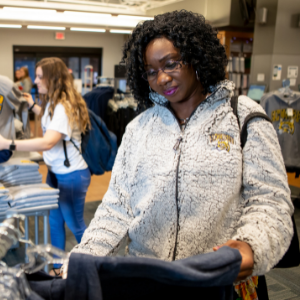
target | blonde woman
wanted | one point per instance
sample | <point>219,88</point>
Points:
<point>64,117</point>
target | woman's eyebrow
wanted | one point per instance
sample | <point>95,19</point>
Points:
<point>170,55</point>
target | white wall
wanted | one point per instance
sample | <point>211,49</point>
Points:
<point>197,6</point>
<point>111,45</point>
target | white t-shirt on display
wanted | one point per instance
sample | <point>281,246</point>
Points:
<point>55,157</point>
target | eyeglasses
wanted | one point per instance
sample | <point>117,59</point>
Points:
<point>170,67</point>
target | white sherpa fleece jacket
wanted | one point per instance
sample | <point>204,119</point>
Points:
<point>180,193</point>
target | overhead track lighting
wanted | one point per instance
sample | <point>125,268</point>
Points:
<point>86,14</point>
<point>134,17</point>
<point>46,27</point>
<point>120,31</point>
<point>10,26</point>
<point>87,29</point>
<point>29,10</point>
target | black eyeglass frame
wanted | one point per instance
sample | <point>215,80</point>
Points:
<point>178,62</point>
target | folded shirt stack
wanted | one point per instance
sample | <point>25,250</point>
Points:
<point>5,198</point>
<point>32,195</point>
<point>17,171</point>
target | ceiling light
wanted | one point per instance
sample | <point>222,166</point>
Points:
<point>45,27</point>
<point>29,10</point>
<point>135,17</point>
<point>87,29</point>
<point>10,26</point>
<point>121,31</point>
<point>87,15</point>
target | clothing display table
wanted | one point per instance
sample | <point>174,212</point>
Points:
<point>30,155</point>
<point>36,212</point>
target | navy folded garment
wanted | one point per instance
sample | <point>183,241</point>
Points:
<point>205,276</point>
<point>46,286</point>
<point>5,155</point>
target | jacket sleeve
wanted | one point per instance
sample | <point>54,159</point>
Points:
<point>266,203</point>
<point>112,218</point>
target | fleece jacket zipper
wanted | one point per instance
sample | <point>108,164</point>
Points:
<point>176,149</point>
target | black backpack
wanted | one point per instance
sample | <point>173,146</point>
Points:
<point>98,146</point>
<point>292,256</point>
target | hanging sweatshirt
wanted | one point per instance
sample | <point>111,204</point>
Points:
<point>11,104</point>
<point>284,112</point>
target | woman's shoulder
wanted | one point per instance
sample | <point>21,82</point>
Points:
<point>247,106</point>
<point>143,118</point>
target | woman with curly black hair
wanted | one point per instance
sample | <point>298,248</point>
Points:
<point>182,184</point>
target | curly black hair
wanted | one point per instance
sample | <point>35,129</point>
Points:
<point>197,42</point>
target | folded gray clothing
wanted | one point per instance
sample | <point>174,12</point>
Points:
<point>20,182</point>
<point>5,197</point>
<point>5,206</point>
<point>29,205</point>
<point>30,191</point>
<point>34,199</point>
<point>20,163</point>
<point>35,203</point>
<point>3,190</point>
<point>20,175</point>
<point>28,186</point>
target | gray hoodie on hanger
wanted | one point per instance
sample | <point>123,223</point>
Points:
<point>284,112</point>
<point>12,104</point>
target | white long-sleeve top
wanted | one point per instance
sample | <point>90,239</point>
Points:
<point>180,193</point>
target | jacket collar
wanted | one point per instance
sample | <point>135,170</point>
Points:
<point>222,90</point>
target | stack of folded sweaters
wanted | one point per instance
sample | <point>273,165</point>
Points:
<point>4,200</point>
<point>32,195</point>
<point>17,171</point>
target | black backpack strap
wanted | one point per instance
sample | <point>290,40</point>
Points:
<point>76,146</point>
<point>234,105</point>
<point>66,162</point>
<point>244,132</point>
<point>251,116</point>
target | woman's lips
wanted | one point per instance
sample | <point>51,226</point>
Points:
<point>170,91</point>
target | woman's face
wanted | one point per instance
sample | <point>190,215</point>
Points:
<point>177,86</point>
<point>21,73</point>
<point>17,73</point>
<point>40,82</point>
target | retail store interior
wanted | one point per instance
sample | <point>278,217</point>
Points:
<point>261,39</point>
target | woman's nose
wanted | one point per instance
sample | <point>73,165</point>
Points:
<point>163,78</point>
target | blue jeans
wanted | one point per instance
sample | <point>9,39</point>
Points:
<point>72,191</point>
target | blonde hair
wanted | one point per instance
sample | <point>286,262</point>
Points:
<point>59,83</point>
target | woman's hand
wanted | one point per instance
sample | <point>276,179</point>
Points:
<point>28,98</point>
<point>247,257</point>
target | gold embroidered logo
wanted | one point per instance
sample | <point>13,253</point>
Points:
<point>1,102</point>
<point>287,118</point>
<point>223,141</point>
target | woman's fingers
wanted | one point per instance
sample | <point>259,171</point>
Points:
<point>246,252</point>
